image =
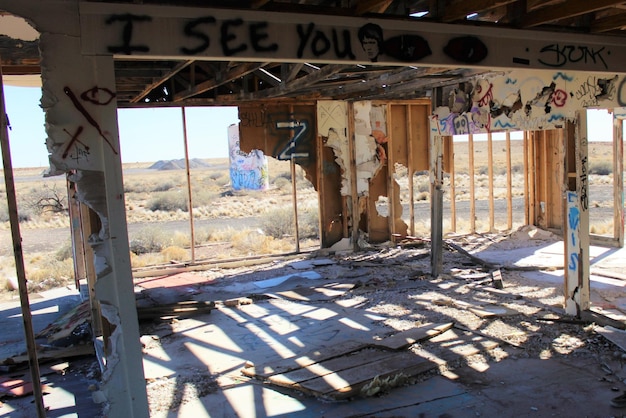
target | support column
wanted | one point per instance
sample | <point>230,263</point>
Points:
<point>436,202</point>
<point>576,285</point>
<point>81,120</point>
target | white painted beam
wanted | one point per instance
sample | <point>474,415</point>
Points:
<point>146,31</point>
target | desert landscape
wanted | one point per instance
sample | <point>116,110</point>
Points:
<point>229,223</point>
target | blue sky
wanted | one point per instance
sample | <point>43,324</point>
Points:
<point>148,135</point>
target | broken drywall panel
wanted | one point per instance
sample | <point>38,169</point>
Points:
<point>522,100</point>
<point>275,281</point>
<point>332,125</point>
<point>369,153</point>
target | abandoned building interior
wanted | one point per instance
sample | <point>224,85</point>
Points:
<point>350,91</point>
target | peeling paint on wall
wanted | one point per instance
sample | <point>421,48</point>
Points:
<point>526,100</point>
<point>367,118</point>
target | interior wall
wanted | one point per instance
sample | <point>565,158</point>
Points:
<point>383,134</point>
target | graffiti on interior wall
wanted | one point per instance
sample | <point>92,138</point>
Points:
<point>517,101</point>
<point>75,148</point>
<point>247,170</point>
<point>90,119</point>
<point>295,135</point>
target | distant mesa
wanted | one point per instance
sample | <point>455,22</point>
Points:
<point>179,164</point>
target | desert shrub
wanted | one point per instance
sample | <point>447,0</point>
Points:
<point>23,214</point>
<point>148,240</point>
<point>64,251</point>
<point>44,199</point>
<point>282,183</point>
<point>174,253</point>
<point>204,197</point>
<point>47,272</point>
<point>602,168</point>
<point>517,168</point>
<point>308,223</point>
<point>423,185</point>
<point>279,222</point>
<point>169,202</point>
<point>163,187</point>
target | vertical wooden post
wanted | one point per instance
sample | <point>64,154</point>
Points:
<point>189,193</point>
<point>618,180</point>
<point>436,203</point>
<point>27,318</point>
<point>410,169</point>
<point>354,193</point>
<point>472,191</point>
<point>294,187</point>
<point>78,246</point>
<point>490,174</point>
<point>452,185</point>
<point>89,223</point>
<point>294,195</point>
<point>391,169</point>
<point>509,179</point>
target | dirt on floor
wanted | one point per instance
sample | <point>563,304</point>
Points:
<point>390,287</point>
<point>256,337</point>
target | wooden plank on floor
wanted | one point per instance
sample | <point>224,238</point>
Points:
<point>348,383</point>
<point>395,342</point>
<point>409,337</point>
<point>264,371</point>
<point>296,377</point>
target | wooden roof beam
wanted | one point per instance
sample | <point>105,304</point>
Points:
<point>605,24</point>
<point>160,81</point>
<point>226,76</point>
<point>372,6</point>
<point>460,10</point>
<point>571,8</point>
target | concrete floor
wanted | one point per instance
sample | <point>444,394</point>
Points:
<point>214,347</point>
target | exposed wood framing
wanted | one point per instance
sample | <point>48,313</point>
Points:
<point>490,174</point>
<point>410,168</point>
<point>436,202</point>
<point>618,181</point>
<point>472,190</point>
<point>609,23</point>
<point>560,11</point>
<point>20,269</point>
<point>392,143</point>
<point>451,170</point>
<point>460,9</point>
<point>354,213</point>
<point>509,184</point>
<point>192,229</point>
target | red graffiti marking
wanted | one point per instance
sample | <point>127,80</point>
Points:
<point>98,95</point>
<point>559,97</point>
<point>78,105</point>
<point>487,97</point>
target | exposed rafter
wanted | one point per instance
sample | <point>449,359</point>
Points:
<point>571,8</point>
<point>459,10</point>
<point>372,6</point>
<point>609,23</point>
<point>160,81</point>
<point>227,76</point>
